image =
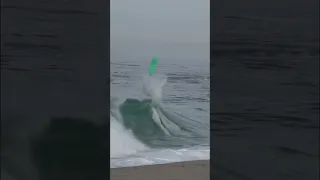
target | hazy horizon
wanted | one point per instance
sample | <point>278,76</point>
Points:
<point>168,29</point>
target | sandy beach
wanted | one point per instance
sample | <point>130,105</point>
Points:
<point>191,170</point>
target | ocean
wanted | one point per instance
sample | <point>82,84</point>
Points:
<point>161,118</point>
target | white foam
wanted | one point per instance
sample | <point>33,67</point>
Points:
<point>122,141</point>
<point>152,86</point>
<point>163,156</point>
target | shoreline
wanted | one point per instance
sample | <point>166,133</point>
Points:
<point>188,170</point>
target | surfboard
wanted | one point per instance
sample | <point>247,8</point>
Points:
<point>153,65</point>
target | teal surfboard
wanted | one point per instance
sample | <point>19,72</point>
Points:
<point>153,65</point>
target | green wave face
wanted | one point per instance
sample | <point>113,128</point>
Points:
<point>162,130</point>
<point>137,116</point>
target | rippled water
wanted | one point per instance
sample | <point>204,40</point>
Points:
<point>265,97</point>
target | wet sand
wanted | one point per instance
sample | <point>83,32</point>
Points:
<point>191,170</point>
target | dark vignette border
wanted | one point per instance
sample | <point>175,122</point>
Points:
<point>55,91</point>
<point>264,64</point>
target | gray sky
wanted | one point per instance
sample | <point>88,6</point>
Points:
<point>177,29</point>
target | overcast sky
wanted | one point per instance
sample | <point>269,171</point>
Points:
<point>177,29</point>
